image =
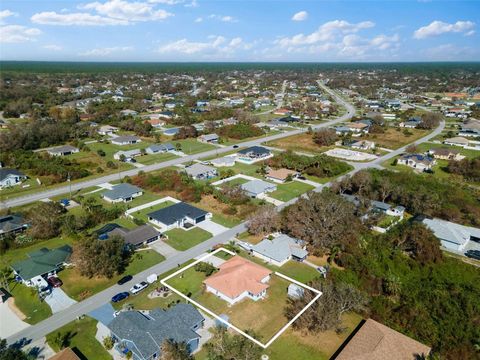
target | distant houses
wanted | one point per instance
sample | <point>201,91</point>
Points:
<point>107,130</point>
<point>470,128</point>
<point>237,279</point>
<point>125,140</point>
<point>209,138</point>
<point>122,193</point>
<point>63,150</point>
<point>418,162</point>
<point>11,177</point>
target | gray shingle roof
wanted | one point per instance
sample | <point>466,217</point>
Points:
<point>280,248</point>
<point>121,191</point>
<point>199,169</point>
<point>125,138</point>
<point>161,147</point>
<point>10,223</point>
<point>256,187</point>
<point>173,213</point>
<point>452,232</point>
<point>5,172</point>
<point>136,236</point>
<point>209,137</point>
<point>148,332</point>
<point>63,149</point>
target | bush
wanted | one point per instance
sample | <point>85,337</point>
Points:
<point>108,342</point>
<point>206,268</point>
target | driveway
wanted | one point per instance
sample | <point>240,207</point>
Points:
<point>10,323</point>
<point>212,227</point>
<point>213,260</point>
<point>163,248</point>
<point>58,300</point>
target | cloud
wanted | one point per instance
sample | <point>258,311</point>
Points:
<point>53,47</point>
<point>436,28</point>
<point>199,20</point>
<point>101,52</point>
<point>216,46</point>
<point>18,34</point>
<point>166,2</point>
<point>81,19</point>
<point>128,11</point>
<point>326,32</point>
<point>6,13</point>
<point>223,18</point>
<point>193,4</point>
<point>300,16</point>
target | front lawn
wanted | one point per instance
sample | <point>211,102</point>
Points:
<point>80,287</point>
<point>27,301</point>
<point>81,339</point>
<point>193,146</point>
<point>290,190</point>
<point>182,239</point>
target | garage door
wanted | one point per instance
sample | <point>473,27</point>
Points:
<point>200,219</point>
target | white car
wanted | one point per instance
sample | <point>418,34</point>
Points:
<point>135,289</point>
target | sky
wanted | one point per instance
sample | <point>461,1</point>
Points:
<point>247,30</point>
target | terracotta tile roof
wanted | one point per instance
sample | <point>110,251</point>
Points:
<point>375,341</point>
<point>357,125</point>
<point>238,275</point>
<point>65,354</point>
<point>280,174</point>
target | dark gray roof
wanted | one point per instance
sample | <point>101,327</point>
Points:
<point>10,223</point>
<point>148,332</point>
<point>161,147</point>
<point>121,191</point>
<point>62,149</point>
<point>256,150</point>
<point>4,172</point>
<point>136,236</point>
<point>126,138</point>
<point>176,212</point>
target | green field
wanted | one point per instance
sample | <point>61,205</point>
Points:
<point>182,239</point>
<point>288,191</point>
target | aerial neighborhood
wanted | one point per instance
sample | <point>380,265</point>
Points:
<point>246,212</point>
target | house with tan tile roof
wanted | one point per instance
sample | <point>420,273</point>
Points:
<point>375,341</point>
<point>238,278</point>
<point>280,175</point>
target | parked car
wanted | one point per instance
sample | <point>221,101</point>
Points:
<point>124,279</point>
<point>135,289</point>
<point>235,146</point>
<point>54,281</point>
<point>120,296</point>
<point>474,254</point>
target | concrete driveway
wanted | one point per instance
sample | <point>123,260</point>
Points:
<point>213,260</point>
<point>10,323</point>
<point>58,300</point>
<point>212,227</point>
<point>163,248</point>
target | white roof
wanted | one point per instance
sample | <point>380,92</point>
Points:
<point>452,232</point>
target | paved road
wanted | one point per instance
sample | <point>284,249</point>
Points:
<point>23,200</point>
<point>61,318</point>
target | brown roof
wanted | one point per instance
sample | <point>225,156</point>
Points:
<point>375,341</point>
<point>357,125</point>
<point>444,151</point>
<point>238,275</point>
<point>280,174</point>
<point>65,354</point>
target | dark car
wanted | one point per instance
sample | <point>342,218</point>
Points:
<point>235,146</point>
<point>474,254</point>
<point>54,282</point>
<point>124,279</point>
<point>120,296</point>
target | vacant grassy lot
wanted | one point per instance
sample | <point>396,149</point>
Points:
<point>237,181</point>
<point>81,339</point>
<point>80,287</point>
<point>302,143</point>
<point>394,138</point>
<point>193,146</point>
<point>156,158</point>
<point>220,211</point>
<point>290,190</point>
<point>182,240</point>
<point>465,152</point>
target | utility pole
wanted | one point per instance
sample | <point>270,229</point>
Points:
<point>69,185</point>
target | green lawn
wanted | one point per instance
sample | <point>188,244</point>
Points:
<point>27,301</point>
<point>193,146</point>
<point>155,158</point>
<point>225,221</point>
<point>237,181</point>
<point>290,190</point>
<point>80,287</point>
<point>142,214</point>
<point>81,340</point>
<point>245,169</point>
<point>182,240</point>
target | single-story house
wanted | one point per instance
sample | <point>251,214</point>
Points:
<point>284,112</point>
<point>377,341</point>
<point>280,175</point>
<point>388,209</point>
<point>209,138</point>
<point>65,354</point>
<point>452,236</point>
<point>280,249</point>
<point>470,128</point>
<point>144,333</point>
<point>126,140</point>
<point>43,262</point>
<point>63,150</point>
<point>357,127</point>
<point>107,130</point>
<point>223,161</point>
<point>363,145</point>
<point>201,172</point>
<point>159,148</point>
<point>171,131</point>
<point>457,141</point>
<point>11,177</point>
<point>128,112</point>
<point>255,188</point>
<point>122,193</point>
<point>445,154</point>
<point>12,224</point>
<point>411,123</point>
<point>417,161</point>
<point>166,114</point>
<point>156,123</point>
<point>254,153</point>
<point>141,235</point>
<point>238,278</point>
<point>127,154</point>
<point>178,215</point>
